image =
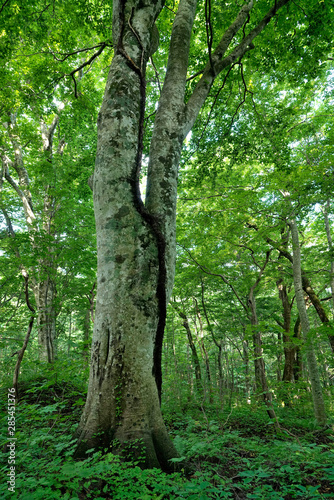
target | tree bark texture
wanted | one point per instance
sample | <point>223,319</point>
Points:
<point>46,321</point>
<point>123,395</point>
<point>298,363</point>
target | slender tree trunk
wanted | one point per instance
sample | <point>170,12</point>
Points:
<point>306,284</point>
<point>26,340</point>
<point>308,289</point>
<point>217,344</point>
<point>44,283</point>
<point>317,305</point>
<point>260,370</point>
<point>176,372</point>
<point>298,361</point>
<point>194,355</point>
<point>318,400</point>
<point>246,363</point>
<point>204,351</point>
<point>69,335</point>
<point>220,371</point>
<point>289,348</point>
<point>279,358</point>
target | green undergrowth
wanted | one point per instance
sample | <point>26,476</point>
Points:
<point>233,454</point>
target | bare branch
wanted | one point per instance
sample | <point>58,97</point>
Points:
<point>104,44</point>
<point>83,65</point>
<point>210,112</point>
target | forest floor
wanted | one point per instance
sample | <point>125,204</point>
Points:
<point>234,453</point>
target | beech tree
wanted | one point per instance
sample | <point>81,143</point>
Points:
<point>136,239</point>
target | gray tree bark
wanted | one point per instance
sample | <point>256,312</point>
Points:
<point>123,396</point>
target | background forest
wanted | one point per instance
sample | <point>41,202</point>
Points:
<point>247,362</point>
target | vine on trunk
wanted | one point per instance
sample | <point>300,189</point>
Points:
<point>151,220</point>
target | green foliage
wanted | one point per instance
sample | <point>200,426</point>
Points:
<point>228,453</point>
<point>254,464</point>
<point>265,129</point>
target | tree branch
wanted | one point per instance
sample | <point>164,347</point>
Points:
<point>26,340</point>
<point>220,62</point>
<point>83,65</point>
<point>206,271</point>
<point>4,5</point>
<point>30,216</point>
<point>261,271</point>
<point>104,44</point>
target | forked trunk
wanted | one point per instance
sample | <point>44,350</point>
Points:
<point>122,411</point>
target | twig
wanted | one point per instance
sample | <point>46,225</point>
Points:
<point>4,5</point>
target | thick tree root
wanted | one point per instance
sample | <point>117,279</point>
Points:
<point>149,449</point>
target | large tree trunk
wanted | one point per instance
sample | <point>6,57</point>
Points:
<point>318,400</point>
<point>123,394</point>
<point>136,243</point>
